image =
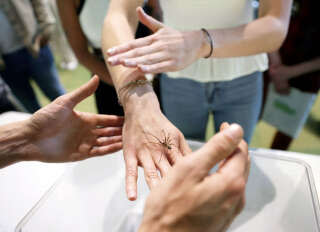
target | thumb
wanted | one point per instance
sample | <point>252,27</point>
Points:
<point>218,148</point>
<point>82,92</point>
<point>153,24</point>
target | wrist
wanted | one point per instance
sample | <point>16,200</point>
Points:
<point>15,140</point>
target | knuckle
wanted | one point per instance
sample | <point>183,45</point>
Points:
<point>236,186</point>
<point>152,174</point>
<point>131,171</point>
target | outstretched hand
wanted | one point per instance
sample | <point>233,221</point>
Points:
<point>167,50</point>
<point>60,134</point>
<point>190,199</point>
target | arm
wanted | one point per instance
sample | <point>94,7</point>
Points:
<point>190,199</point>
<point>78,41</point>
<point>171,50</point>
<point>57,133</point>
<point>281,74</point>
<point>146,129</point>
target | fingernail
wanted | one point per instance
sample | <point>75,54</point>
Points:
<point>112,60</point>
<point>235,132</point>
<point>145,68</point>
<point>131,195</point>
<point>130,63</point>
<point>111,50</point>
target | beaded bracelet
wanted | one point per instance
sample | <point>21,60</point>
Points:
<point>210,41</point>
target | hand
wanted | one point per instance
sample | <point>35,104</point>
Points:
<point>150,141</point>
<point>166,50</point>
<point>189,199</point>
<point>60,134</point>
<point>280,76</point>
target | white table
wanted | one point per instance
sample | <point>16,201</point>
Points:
<point>22,185</point>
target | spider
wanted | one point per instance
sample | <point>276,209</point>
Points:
<point>166,142</point>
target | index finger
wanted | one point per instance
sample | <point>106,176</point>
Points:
<point>218,148</point>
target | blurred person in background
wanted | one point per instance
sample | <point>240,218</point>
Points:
<point>5,103</point>
<point>228,82</point>
<point>59,42</point>
<point>25,29</point>
<point>82,21</point>
<point>297,63</point>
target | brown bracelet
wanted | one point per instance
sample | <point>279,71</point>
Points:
<point>132,84</point>
<point>210,41</point>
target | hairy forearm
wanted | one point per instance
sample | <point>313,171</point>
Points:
<point>14,143</point>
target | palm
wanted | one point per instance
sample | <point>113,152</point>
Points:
<point>62,134</point>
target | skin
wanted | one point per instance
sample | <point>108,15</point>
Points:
<point>141,107</point>
<point>172,50</point>
<point>213,200</point>
<point>189,199</point>
<point>281,74</point>
<point>169,50</point>
<point>58,133</point>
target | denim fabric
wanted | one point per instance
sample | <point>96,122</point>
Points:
<point>187,103</point>
<point>21,67</point>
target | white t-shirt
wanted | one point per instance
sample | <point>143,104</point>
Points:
<point>213,14</point>
<point>92,18</point>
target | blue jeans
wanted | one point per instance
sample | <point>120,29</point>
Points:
<point>187,103</point>
<point>21,67</point>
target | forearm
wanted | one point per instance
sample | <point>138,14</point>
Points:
<point>262,35</point>
<point>307,67</point>
<point>119,27</point>
<point>14,143</point>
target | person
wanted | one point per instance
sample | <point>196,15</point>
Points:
<point>213,199</point>
<point>25,30</point>
<point>82,21</point>
<point>229,81</point>
<point>297,63</point>
<point>5,103</point>
<point>59,42</point>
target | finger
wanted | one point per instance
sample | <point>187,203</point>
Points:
<point>76,96</point>
<point>161,163</point>
<point>165,66</point>
<point>238,164</point>
<point>218,148</point>
<point>150,170</point>
<point>131,176</point>
<point>184,147</point>
<point>103,141</point>
<point>148,59</point>
<point>104,150</point>
<point>107,131</point>
<point>153,24</point>
<point>137,43</point>
<point>108,120</point>
<point>224,126</point>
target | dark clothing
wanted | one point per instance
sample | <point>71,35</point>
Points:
<point>302,43</point>
<point>21,66</point>
<point>5,103</point>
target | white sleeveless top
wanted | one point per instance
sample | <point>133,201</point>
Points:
<point>91,20</point>
<point>213,14</point>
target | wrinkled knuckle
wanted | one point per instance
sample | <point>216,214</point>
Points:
<point>131,171</point>
<point>152,174</point>
<point>222,148</point>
